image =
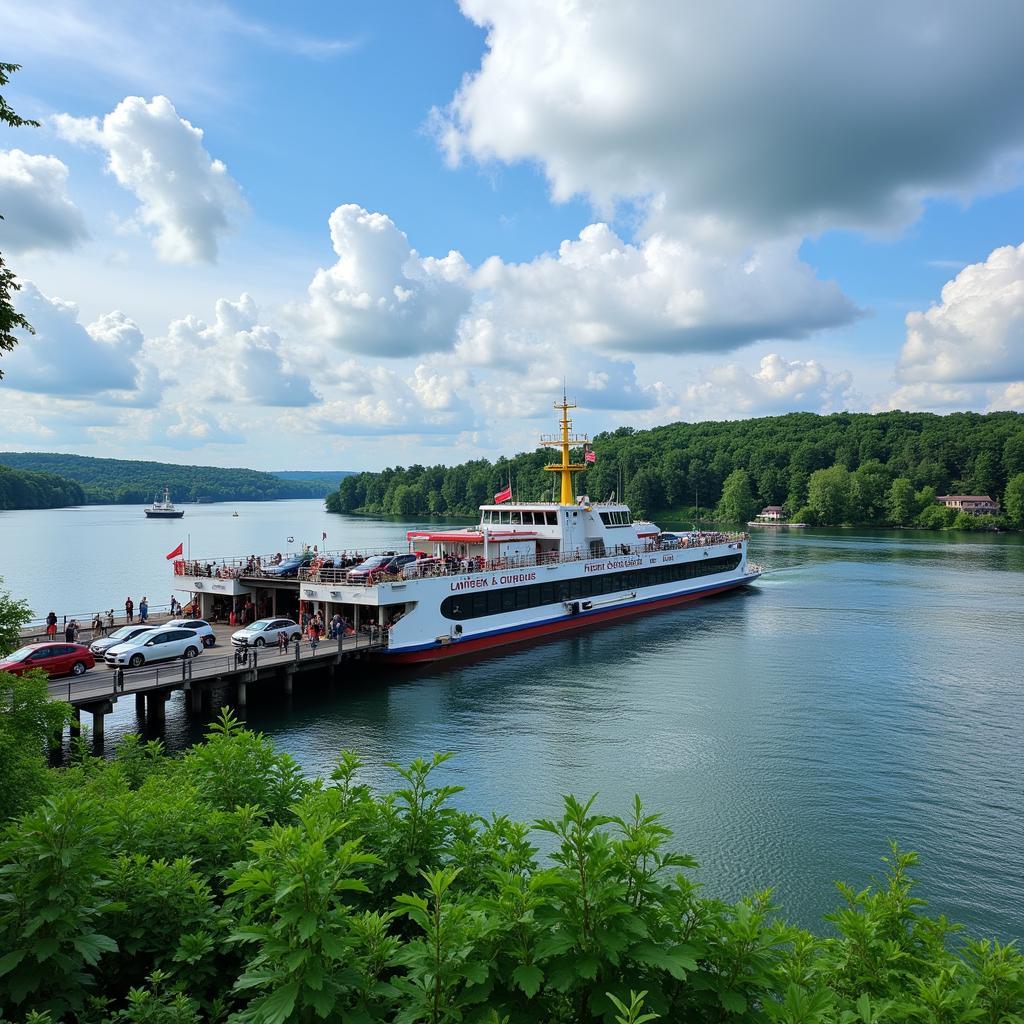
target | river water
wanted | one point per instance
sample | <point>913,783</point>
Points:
<point>870,687</point>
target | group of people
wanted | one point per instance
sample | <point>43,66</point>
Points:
<point>129,610</point>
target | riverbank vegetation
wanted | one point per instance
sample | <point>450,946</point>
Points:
<point>223,885</point>
<point>26,489</point>
<point>881,469</point>
<point>91,481</point>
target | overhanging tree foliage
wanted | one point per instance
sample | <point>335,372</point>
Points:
<point>10,318</point>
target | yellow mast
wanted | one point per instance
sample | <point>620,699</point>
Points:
<point>566,441</point>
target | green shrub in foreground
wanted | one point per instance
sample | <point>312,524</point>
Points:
<point>223,886</point>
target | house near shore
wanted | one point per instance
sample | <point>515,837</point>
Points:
<point>771,514</point>
<point>972,504</point>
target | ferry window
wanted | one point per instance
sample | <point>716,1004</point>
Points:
<point>517,518</point>
<point>605,517</point>
<point>539,594</point>
<point>552,518</point>
<point>504,518</point>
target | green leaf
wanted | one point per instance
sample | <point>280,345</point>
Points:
<point>733,1001</point>
<point>529,978</point>
<point>277,1007</point>
<point>11,960</point>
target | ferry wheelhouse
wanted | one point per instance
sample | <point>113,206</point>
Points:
<point>525,570</point>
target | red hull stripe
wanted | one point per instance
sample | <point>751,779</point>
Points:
<point>499,638</point>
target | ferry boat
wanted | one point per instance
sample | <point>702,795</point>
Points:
<point>164,509</point>
<point>527,569</point>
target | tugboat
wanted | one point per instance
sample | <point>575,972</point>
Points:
<point>164,509</point>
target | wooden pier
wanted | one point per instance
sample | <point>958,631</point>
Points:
<point>98,690</point>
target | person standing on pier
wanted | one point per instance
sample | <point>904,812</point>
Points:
<point>129,610</point>
<point>51,625</point>
<point>144,610</point>
<point>71,631</point>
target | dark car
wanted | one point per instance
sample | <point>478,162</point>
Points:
<point>289,567</point>
<point>366,570</point>
<point>380,565</point>
<point>54,659</point>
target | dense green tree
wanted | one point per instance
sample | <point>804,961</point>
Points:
<point>900,502</point>
<point>1013,501</point>
<point>737,504</point>
<point>869,484</point>
<point>830,496</point>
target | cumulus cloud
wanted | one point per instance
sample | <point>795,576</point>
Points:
<point>929,396</point>
<point>185,197</point>
<point>618,101</point>
<point>778,385</point>
<point>38,213</point>
<point>976,333</point>
<point>68,359</point>
<point>1009,398</point>
<point>374,400</point>
<point>661,295</point>
<point>236,358</point>
<point>381,297</point>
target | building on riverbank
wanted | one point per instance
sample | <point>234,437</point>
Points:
<point>972,504</point>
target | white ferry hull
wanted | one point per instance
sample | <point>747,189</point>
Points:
<point>426,634</point>
<point>523,633</point>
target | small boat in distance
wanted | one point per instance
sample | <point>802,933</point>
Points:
<point>234,515</point>
<point>164,509</point>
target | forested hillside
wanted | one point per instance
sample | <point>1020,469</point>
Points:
<point>878,469</point>
<point>22,489</point>
<point>327,479</point>
<point>127,482</point>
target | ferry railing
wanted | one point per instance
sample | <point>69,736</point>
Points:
<point>436,566</point>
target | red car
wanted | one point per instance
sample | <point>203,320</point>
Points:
<point>53,658</point>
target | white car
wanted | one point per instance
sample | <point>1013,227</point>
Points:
<point>201,626</point>
<point>263,632</point>
<point>159,644</point>
<point>120,636</point>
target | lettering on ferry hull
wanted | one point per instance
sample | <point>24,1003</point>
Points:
<point>495,581</point>
<point>619,563</point>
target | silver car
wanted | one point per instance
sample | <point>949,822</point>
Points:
<point>100,647</point>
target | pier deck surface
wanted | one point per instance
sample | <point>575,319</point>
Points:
<point>214,665</point>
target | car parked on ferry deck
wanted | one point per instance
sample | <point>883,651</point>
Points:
<point>160,645</point>
<point>100,646</point>
<point>54,659</point>
<point>289,567</point>
<point>263,632</point>
<point>201,626</point>
<point>365,571</point>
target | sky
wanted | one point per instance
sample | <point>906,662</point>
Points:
<point>345,236</point>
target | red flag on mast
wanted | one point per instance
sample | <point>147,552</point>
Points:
<point>505,495</point>
<point>589,456</point>
<point>177,552</point>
